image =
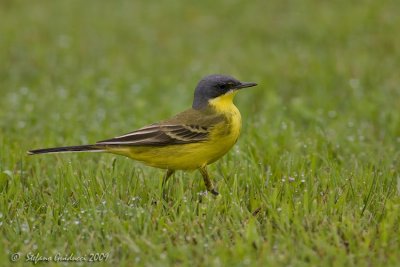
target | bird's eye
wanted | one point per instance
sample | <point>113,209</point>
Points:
<point>223,86</point>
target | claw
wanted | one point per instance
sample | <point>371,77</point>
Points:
<point>214,192</point>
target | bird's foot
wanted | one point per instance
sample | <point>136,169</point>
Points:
<point>214,192</point>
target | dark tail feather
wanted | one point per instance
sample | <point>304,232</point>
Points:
<point>84,148</point>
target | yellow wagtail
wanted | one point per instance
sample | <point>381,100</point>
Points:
<point>190,140</point>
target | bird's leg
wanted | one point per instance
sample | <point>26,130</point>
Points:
<point>166,176</point>
<point>165,179</point>
<point>207,181</point>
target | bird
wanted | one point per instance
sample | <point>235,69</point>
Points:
<point>190,140</point>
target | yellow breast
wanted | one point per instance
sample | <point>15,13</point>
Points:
<point>195,155</point>
<point>225,134</point>
<point>229,130</point>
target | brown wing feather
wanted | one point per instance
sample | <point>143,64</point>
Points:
<point>190,126</point>
<point>160,135</point>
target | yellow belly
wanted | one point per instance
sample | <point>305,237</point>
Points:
<point>190,156</point>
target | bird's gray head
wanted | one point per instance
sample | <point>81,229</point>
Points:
<point>215,85</point>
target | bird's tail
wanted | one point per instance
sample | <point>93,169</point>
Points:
<point>66,149</point>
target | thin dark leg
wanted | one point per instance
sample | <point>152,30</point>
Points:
<point>207,181</point>
<point>165,179</point>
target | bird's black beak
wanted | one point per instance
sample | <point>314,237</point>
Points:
<point>245,84</point>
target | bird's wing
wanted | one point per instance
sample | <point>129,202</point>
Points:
<point>159,135</point>
<point>191,126</point>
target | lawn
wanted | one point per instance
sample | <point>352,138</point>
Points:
<point>314,179</point>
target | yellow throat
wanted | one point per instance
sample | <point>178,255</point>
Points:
<point>224,103</point>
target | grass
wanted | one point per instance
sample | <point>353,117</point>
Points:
<point>313,180</point>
